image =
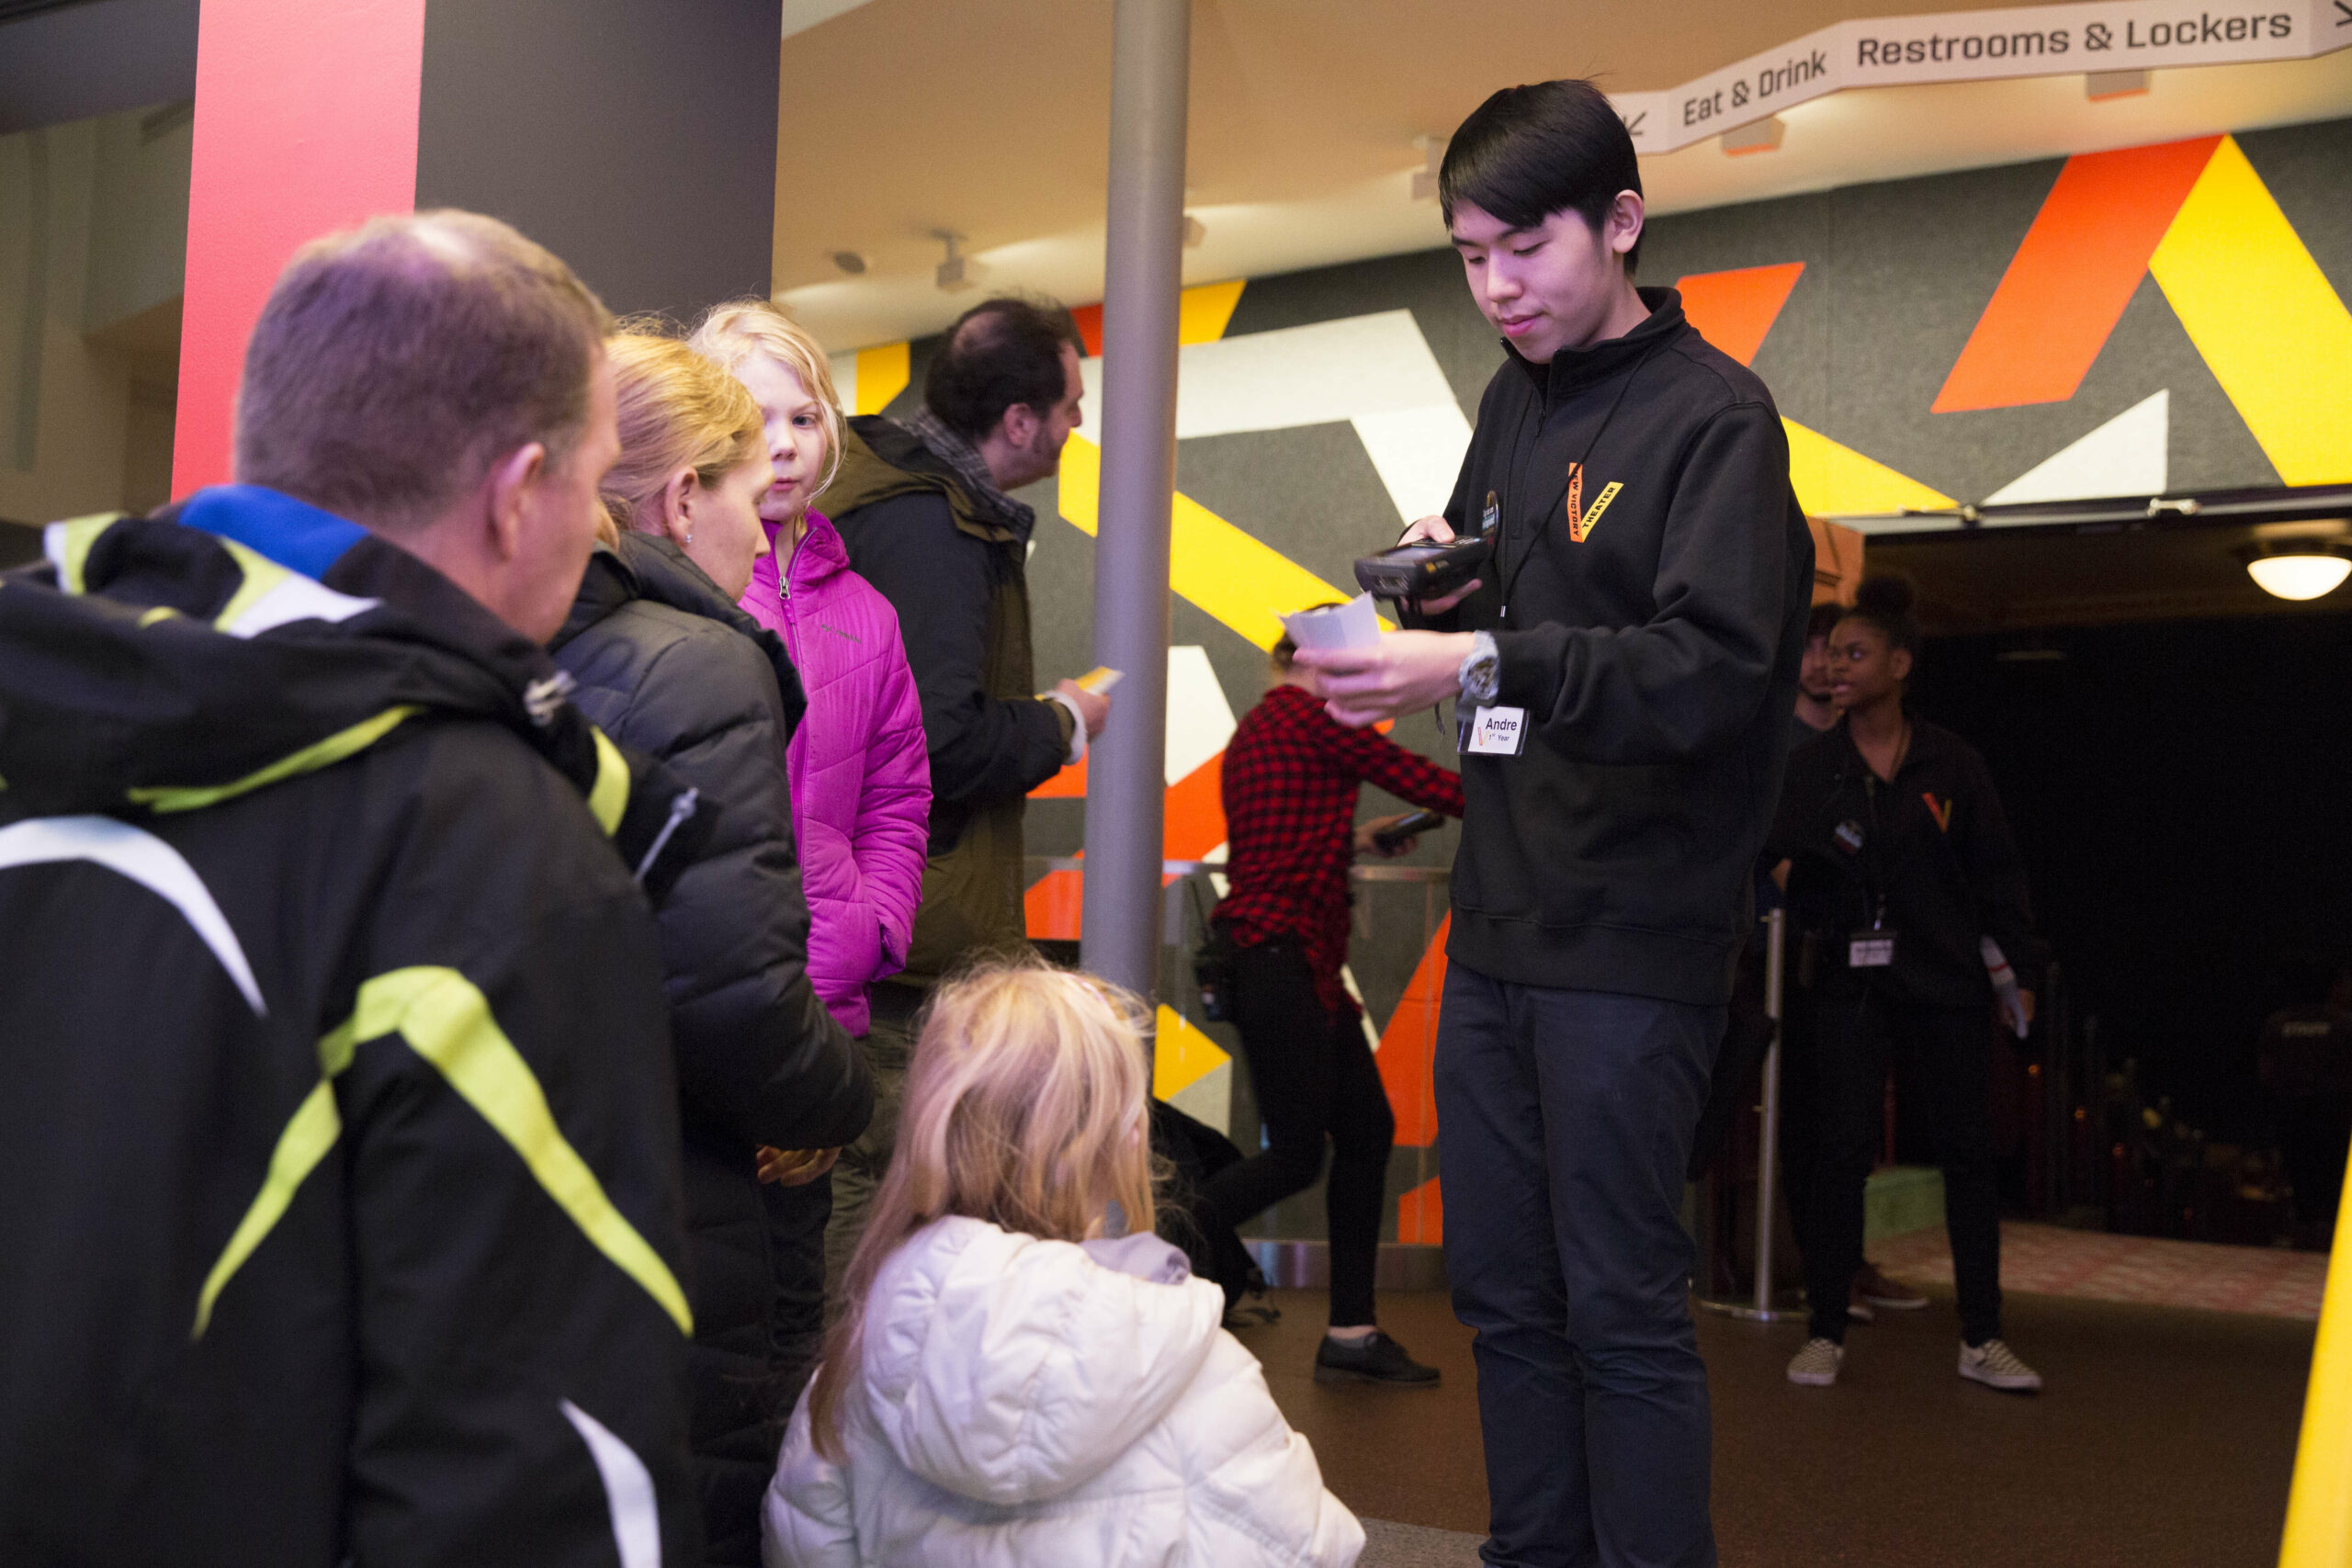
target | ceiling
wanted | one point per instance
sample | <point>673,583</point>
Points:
<point>989,118</point>
<point>2030,579</point>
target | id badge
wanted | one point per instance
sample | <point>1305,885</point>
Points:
<point>1498,732</point>
<point>1872,949</point>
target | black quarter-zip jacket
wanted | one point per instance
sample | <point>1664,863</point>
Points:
<point>1654,641</point>
<point>1933,841</point>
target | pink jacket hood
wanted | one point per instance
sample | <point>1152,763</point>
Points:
<point>858,765</point>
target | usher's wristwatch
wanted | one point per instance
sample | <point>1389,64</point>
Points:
<point>1482,671</point>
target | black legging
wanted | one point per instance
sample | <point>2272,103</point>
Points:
<point>1949,1051</point>
<point>1314,1078</point>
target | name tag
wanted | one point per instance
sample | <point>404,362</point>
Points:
<point>1498,732</point>
<point>1870,950</point>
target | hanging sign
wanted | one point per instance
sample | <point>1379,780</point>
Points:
<point>1976,46</point>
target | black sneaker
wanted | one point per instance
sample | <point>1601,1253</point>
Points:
<point>1377,1360</point>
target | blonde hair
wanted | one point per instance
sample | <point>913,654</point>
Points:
<point>732,333</point>
<point>1025,1107</point>
<point>677,410</point>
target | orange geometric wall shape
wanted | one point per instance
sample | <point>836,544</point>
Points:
<point>1734,310</point>
<point>1421,1215</point>
<point>1409,1047</point>
<point>2073,274</point>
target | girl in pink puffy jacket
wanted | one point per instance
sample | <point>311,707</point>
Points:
<point>860,773</point>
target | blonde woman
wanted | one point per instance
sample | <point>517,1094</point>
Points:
<point>666,664</point>
<point>1010,1383</point>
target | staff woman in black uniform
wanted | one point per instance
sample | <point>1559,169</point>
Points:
<point>1901,865</point>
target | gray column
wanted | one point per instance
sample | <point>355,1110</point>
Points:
<point>1151,67</point>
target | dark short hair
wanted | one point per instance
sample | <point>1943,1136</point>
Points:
<point>1885,600</point>
<point>1823,619</point>
<point>1547,147</point>
<point>1000,353</point>
<point>395,362</point>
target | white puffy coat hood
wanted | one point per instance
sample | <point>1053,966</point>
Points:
<point>1023,1403</point>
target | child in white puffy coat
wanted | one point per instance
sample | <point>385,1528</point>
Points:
<point>1007,1386</point>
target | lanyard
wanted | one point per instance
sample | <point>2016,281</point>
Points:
<point>1577,471</point>
<point>1877,892</point>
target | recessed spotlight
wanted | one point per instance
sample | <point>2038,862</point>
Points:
<point>850,262</point>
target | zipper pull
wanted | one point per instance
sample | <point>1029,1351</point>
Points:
<point>680,810</point>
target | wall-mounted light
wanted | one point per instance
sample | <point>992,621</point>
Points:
<point>1195,232</point>
<point>2101,85</point>
<point>850,262</point>
<point>2298,569</point>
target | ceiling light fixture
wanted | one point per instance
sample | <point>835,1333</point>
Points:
<point>2298,569</point>
<point>1432,159</point>
<point>1763,136</point>
<point>959,272</point>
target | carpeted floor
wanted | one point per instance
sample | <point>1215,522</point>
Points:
<point>2053,1261</point>
<point>1388,1544</point>
<point>2165,1436</point>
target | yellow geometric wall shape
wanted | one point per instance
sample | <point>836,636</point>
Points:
<point>1226,571</point>
<point>1203,311</point>
<point>1832,480</point>
<point>1182,1055</point>
<point>2262,315</point>
<point>881,376</point>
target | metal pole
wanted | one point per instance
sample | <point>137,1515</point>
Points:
<point>1143,275</point>
<point>1767,1143</point>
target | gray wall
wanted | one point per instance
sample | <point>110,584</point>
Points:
<point>637,142</point>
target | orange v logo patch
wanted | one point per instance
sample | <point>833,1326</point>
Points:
<point>1581,522</point>
<point>1941,813</point>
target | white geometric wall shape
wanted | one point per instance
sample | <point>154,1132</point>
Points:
<point>1200,721</point>
<point>1374,372</point>
<point>1209,1098</point>
<point>2126,455</point>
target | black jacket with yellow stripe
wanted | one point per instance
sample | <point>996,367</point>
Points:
<point>339,1149</point>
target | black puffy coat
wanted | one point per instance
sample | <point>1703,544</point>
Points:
<point>667,666</point>
<point>339,1151</point>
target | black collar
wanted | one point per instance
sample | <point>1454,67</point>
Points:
<point>1572,370</point>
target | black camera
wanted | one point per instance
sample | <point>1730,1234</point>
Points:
<point>1423,570</point>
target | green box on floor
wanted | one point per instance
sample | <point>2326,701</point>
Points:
<point>1901,1198</point>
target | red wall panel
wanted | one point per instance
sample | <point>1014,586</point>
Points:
<point>306,114</point>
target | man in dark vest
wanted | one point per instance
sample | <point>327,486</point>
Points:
<point>922,503</point>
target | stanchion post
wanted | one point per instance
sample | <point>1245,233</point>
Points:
<point>1758,1307</point>
<point>1768,1142</point>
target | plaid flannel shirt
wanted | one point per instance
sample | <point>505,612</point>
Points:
<point>1290,780</point>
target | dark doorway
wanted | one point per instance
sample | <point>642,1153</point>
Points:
<point>2179,791</point>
